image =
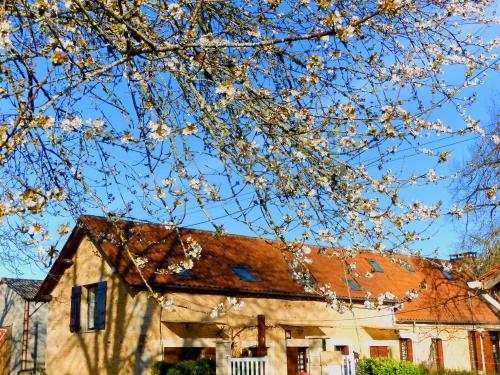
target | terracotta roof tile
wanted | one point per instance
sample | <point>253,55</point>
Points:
<point>442,300</point>
<point>490,272</point>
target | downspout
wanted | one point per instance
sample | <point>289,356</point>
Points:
<point>25,339</point>
<point>414,342</point>
<point>482,349</point>
<point>161,336</point>
<point>491,301</point>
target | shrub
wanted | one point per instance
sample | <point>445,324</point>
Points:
<point>388,366</point>
<point>202,366</point>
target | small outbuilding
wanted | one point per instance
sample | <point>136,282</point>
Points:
<point>23,325</point>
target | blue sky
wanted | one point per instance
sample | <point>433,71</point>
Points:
<point>445,231</point>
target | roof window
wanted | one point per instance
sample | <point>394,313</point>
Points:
<point>353,284</point>
<point>408,266</point>
<point>375,266</point>
<point>446,274</point>
<point>244,273</point>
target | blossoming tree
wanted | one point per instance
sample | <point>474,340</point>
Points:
<point>288,110</point>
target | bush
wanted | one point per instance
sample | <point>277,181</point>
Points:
<point>388,366</point>
<point>448,372</point>
<point>202,366</point>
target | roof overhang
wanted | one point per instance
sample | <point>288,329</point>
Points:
<point>63,262</point>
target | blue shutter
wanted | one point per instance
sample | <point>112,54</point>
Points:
<point>76,297</point>
<point>100,306</point>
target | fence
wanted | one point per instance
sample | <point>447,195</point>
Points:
<point>347,367</point>
<point>247,366</point>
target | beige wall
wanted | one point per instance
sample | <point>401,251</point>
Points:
<point>128,344</point>
<point>136,328</point>
<point>455,342</point>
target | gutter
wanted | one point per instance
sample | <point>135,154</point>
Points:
<point>478,285</point>
<point>454,322</point>
<point>237,292</point>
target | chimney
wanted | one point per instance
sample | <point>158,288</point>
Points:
<point>466,255</point>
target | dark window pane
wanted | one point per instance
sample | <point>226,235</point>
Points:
<point>446,274</point>
<point>244,273</point>
<point>91,307</point>
<point>353,285</point>
<point>375,266</point>
<point>408,266</point>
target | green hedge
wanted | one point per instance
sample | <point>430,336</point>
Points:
<point>202,366</point>
<point>388,366</point>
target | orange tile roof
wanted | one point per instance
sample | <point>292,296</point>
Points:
<point>490,272</point>
<point>442,300</point>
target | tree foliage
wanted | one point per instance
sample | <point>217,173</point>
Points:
<point>282,114</point>
<point>475,189</point>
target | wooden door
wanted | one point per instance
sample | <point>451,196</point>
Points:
<point>292,360</point>
<point>379,351</point>
<point>406,350</point>
<point>437,353</point>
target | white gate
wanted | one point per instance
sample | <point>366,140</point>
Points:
<point>348,367</point>
<point>247,366</point>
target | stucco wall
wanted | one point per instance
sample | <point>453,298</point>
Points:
<point>137,329</point>
<point>128,344</point>
<point>11,316</point>
<point>455,343</point>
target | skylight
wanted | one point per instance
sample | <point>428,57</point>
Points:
<point>446,274</point>
<point>375,266</point>
<point>184,273</point>
<point>244,273</point>
<point>408,266</point>
<point>353,285</point>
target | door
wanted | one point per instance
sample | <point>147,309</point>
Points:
<point>296,360</point>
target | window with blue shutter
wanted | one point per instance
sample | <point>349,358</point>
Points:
<point>76,297</point>
<point>96,306</point>
<point>100,306</point>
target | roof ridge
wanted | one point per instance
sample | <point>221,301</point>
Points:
<point>361,251</point>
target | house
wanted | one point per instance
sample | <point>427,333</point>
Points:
<point>22,327</point>
<point>239,304</point>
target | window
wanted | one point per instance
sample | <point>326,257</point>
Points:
<point>344,349</point>
<point>95,305</point>
<point>244,273</point>
<point>375,266</point>
<point>408,266</point>
<point>406,350</point>
<point>353,285</point>
<point>446,274</point>
<point>91,308</point>
<point>379,351</point>
<point>492,360</point>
